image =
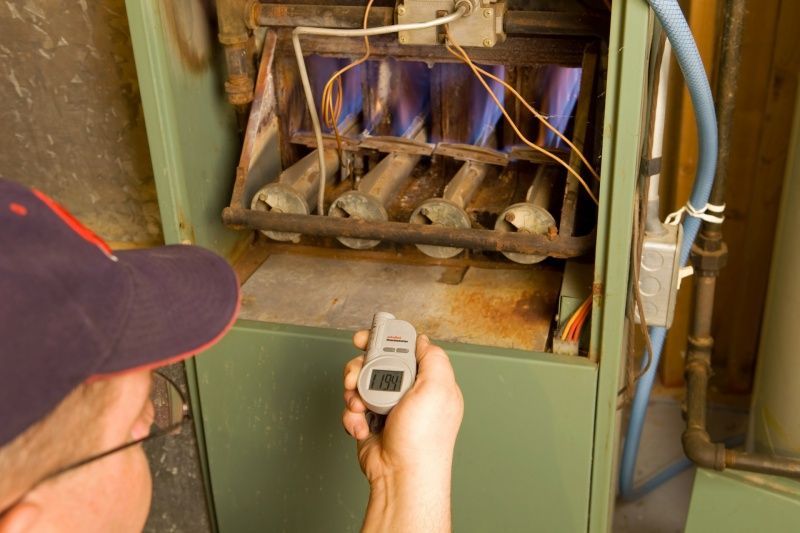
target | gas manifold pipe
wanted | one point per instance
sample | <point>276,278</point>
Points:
<point>375,191</point>
<point>295,190</point>
<point>449,210</point>
<point>532,215</point>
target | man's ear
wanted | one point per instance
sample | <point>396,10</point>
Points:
<point>20,518</point>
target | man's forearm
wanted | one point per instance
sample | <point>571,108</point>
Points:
<point>411,503</point>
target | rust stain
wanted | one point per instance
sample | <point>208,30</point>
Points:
<point>505,318</point>
<point>597,289</point>
<point>187,23</point>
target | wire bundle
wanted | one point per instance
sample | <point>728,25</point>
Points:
<point>333,92</point>
<point>574,326</point>
<point>454,48</point>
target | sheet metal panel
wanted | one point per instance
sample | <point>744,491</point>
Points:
<point>280,461</point>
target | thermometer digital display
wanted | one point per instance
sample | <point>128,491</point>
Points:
<point>386,380</point>
<point>390,364</point>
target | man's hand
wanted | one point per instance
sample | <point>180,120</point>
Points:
<point>408,464</point>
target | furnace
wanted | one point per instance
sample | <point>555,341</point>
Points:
<point>474,177</point>
<point>439,170</point>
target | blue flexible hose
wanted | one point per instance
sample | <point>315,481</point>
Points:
<point>684,47</point>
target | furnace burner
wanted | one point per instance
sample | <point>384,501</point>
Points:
<point>422,154</point>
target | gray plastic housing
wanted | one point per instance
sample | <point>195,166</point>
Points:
<point>391,349</point>
<point>659,276</point>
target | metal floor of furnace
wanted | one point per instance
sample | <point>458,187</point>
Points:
<point>508,308</point>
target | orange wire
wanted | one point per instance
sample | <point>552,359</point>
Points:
<point>569,322</point>
<point>568,327</point>
<point>580,321</point>
<point>332,111</point>
<point>461,54</point>
<point>542,119</point>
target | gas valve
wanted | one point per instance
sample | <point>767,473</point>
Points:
<point>481,25</point>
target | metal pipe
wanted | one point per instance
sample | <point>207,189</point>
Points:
<point>709,257</point>
<point>531,216</point>
<point>728,76</point>
<point>374,192</point>
<point>697,444</point>
<point>448,211</point>
<point>351,17</point>
<point>294,191</point>
<point>726,94</point>
<point>379,187</point>
<point>403,233</point>
<point>235,36</point>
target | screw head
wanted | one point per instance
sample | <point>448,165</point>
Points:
<point>487,13</point>
<point>487,42</point>
<point>401,10</point>
<point>403,38</point>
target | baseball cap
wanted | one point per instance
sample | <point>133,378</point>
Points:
<point>72,310</point>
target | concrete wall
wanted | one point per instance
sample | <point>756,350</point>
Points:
<point>71,118</point>
<point>71,125</point>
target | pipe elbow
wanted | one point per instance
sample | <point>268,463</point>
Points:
<point>700,450</point>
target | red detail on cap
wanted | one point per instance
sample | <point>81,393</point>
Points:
<point>176,358</point>
<point>18,209</point>
<point>87,234</point>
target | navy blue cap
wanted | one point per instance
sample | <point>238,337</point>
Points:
<point>71,309</point>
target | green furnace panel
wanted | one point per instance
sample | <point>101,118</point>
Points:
<point>280,460</point>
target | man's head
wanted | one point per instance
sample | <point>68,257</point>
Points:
<point>80,328</point>
<point>110,494</point>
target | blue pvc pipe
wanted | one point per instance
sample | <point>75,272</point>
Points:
<point>684,47</point>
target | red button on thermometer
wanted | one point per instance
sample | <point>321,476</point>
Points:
<point>390,364</point>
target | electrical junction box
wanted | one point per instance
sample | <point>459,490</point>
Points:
<point>482,27</point>
<point>659,276</point>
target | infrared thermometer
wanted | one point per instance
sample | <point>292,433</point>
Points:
<point>390,364</point>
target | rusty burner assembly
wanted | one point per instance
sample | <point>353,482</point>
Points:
<point>426,150</point>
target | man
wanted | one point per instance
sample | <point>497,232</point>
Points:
<point>81,327</point>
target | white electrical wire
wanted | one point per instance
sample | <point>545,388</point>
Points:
<point>331,32</point>
<point>653,202</point>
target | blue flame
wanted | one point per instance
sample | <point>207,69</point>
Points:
<point>320,70</point>
<point>411,84</point>
<point>353,100</point>
<point>484,111</point>
<point>563,87</point>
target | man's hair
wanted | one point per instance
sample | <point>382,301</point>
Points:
<point>68,434</point>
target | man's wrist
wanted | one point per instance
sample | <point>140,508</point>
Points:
<point>410,500</point>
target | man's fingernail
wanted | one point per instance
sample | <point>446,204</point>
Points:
<point>424,338</point>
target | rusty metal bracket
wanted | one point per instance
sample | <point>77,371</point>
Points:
<point>344,16</point>
<point>469,152</point>
<point>404,233</point>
